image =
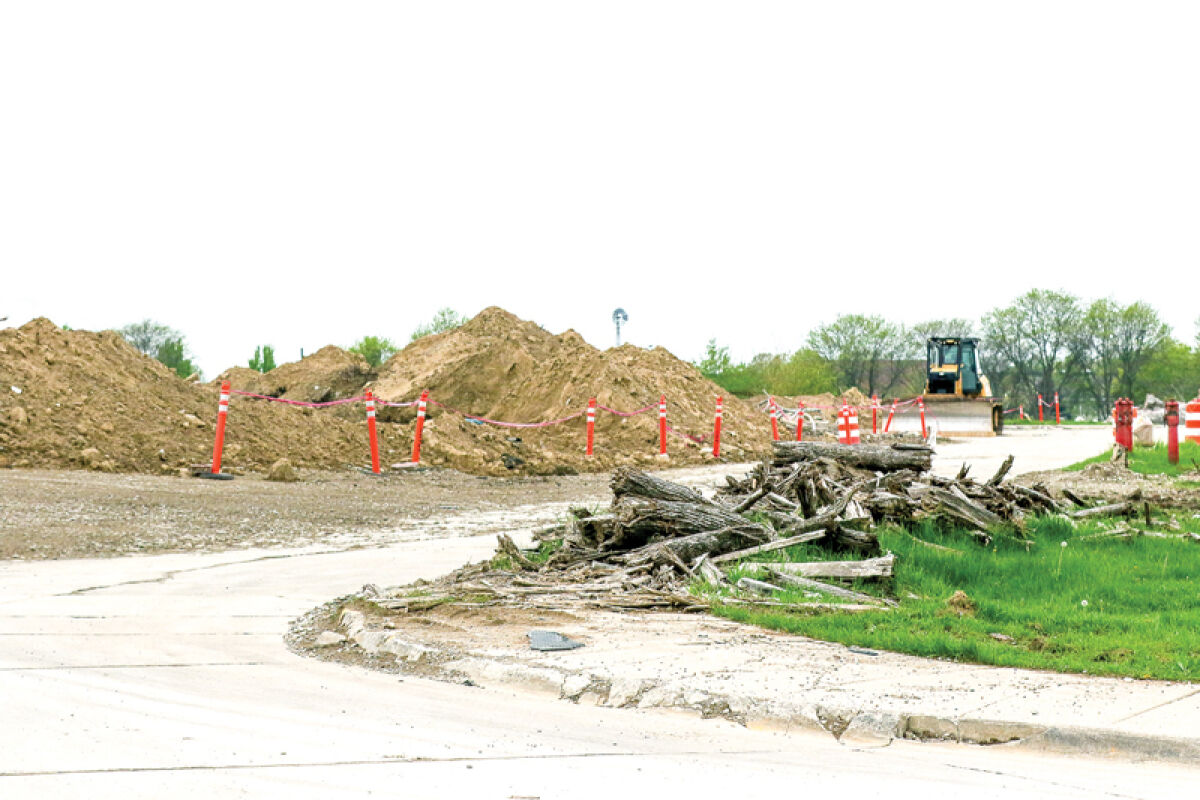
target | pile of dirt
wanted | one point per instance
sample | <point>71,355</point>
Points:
<point>81,399</point>
<point>331,373</point>
<point>826,406</point>
<point>500,367</point>
<point>90,400</point>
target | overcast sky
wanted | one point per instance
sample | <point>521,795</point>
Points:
<point>304,173</point>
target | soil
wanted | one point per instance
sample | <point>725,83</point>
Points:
<point>88,400</point>
<point>61,514</point>
<point>500,367</point>
<point>331,373</point>
<point>1112,483</point>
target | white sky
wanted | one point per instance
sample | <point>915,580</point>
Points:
<point>304,173</point>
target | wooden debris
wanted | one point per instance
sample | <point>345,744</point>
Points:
<point>867,568</point>
<point>876,457</point>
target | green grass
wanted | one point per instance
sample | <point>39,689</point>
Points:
<point>1153,460</point>
<point>1100,606</point>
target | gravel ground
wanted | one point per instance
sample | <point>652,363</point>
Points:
<point>75,514</point>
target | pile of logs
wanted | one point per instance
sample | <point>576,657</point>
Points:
<point>659,538</point>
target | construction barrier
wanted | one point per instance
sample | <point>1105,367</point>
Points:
<point>848,425</point>
<point>591,424</point>
<point>716,451</point>
<point>219,442</point>
<point>1191,421</point>
<point>662,425</point>
<point>422,407</point>
<point>372,434</point>
<point>1057,414</point>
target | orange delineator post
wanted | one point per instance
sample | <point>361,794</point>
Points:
<point>921,405</point>
<point>662,425</point>
<point>774,420</point>
<point>717,429</point>
<point>1020,412</point>
<point>422,407</point>
<point>222,413</point>
<point>1191,421</point>
<point>372,434</point>
<point>1041,405</point>
<point>874,413</point>
<point>887,426</point>
<point>1057,415</point>
<point>800,421</point>
<point>591,425</point>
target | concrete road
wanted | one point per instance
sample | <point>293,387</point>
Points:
<point>1034,449</point>
<point>167,676</point>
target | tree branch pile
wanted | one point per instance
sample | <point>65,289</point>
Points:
<point>658,538</point>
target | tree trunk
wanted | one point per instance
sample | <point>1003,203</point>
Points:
<point>882,458</point>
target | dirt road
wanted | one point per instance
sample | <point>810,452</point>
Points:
<point>56,514</point>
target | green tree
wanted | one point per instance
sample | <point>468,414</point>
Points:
<point>375,349</point>
<point>865,352</point>
<point>173,353</point>
<point>264,358</point>
<point>148,336</point>
<point>716,360</point>
<point>446,319</point>
<point>1174,372</point>
<point>1031,340</point>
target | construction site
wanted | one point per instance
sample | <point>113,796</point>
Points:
<point>500,517</point>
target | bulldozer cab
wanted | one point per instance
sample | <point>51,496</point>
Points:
<point>951,367</point>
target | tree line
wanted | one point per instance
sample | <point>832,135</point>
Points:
<point>1045,341</point>
<point>170,347</point>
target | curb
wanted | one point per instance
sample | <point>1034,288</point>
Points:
<point>851,726</point>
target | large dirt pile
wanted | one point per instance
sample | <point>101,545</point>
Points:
<point>86,399</point>
<point>331,373</point>
<point>504,368</point>
<point>89,400</point>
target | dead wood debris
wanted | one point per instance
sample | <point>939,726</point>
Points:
<point>657,538</point>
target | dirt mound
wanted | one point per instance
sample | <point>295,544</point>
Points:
<point>331,373</point>
<point>89,400</point>
<point>86,399</point>
<point>501,367</point>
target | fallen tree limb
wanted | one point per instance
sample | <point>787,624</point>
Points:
<point>828,588</point>
<point>778,544</point>
<point>867,568</point>
<point>874,457</point>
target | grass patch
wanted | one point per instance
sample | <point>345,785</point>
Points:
<point>1153,460</point>
<point>1098,606</point>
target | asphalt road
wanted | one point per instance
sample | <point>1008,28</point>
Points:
<point>167,675</point>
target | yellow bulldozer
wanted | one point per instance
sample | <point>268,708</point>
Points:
<point>958,396</point>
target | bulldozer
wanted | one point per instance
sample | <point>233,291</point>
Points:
<point>957,394</point>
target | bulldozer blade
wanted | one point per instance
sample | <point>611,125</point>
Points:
<point>952,416</point>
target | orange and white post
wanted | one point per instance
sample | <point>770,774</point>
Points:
<point>848,424</point>
<point>371,432</point>
<point>591,425</point>
<point>422,408</point>
<point>1057,412</point>
<point>662,425</point>
<point>800,421</point>
<point>774,420</point>
<point>222,413</point>
<point>874,413</point>
<point>717,429</point>
<point>887,426</point>
<point>921,405</point>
